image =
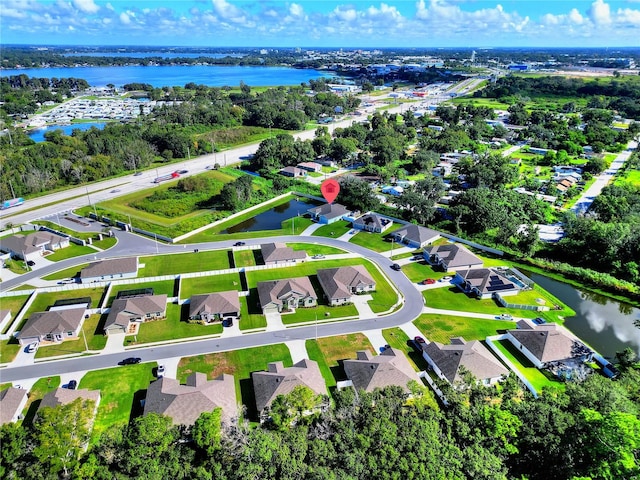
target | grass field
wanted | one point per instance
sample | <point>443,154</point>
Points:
<point>244,258</point>
<point>631,176</point>
<point>161,287</point>
<point>121,390</point>
<point>16,266</point>
<point>321,312</point>
<point>333,230</point>
<point>105,243</point>
<point>92,331</point>
<point>46,299</point>
<point>378,242</point>
<point>418,271</point>
<point>314,249</point>
<point>441,328</point>
<point>66,273</point>
<point>37,392</point>
<point>210,284</point>
<point>249,321</point>
<point>13,304</point>
<point>71,251</point>
<point>329,350</point>
<point>183,263</point>
<point>8,350</point>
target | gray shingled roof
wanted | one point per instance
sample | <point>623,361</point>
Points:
<point>547,342</point>
<point>29,243</point>
<point>10,400</point>
<point>368,372</point>
<point>474,356</point>
<point>487,280</point>
<point>417,234</point>
<point>374,219</point>
<point>278,380</point>
<point>64,396</point>
<point>329,210</point>
<point>214,303</point>
<point>279,252</point>
<point>340,282</point>
<point>57,321</point>
<point>185,403</point>
<point>275,290</point>
<point>454,255</point>
<point>122,309</point>
<point>115,266</point>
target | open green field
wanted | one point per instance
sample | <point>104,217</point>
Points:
<point>321,312</point>
<point>333,230</point>
<point>210,284</point>
<point>418,271</point>
<point>328,351</point>
<point>121,390</point>
<point>70,272</point>
<point>240,364</point>
<point>244,258</point>
<point>255,319</point>
<point>92,331</point>
<point>161,287</point>
<point>71,251</point>
<point>378,242</point>
<point>183,263</point>
<point>538,378</point>
<point>37,392</point>
<point>46,299</point>
<point>315,249</point>
<point>173,327</point>
<point>631,176</point>
<point>441,328</point>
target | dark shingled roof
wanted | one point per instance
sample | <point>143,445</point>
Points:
<point>10,400</point>
<point>43,323</point>
<point>279,252</point>
<point>547,342</point>
<point>329,210</point>
<point>340,282</point>
<point>416,233</point>
<point>213,303</point>
<point>369,372</point>
<point>32,242</point>
<point>454,255</point>
<point>487,280</point>
<point>122,309</point>
<point>115,266</point>
<point>64,396</point>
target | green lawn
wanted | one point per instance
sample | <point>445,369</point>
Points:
<point>161,287</point>
<point>315,249</point>
<point>321,312</point>
<point>244,258</point>
<point>538,379</point>
<point>249,321</point>
<point>68,231</point>
<point>172,328</point>
<point>418,271</point>
<point>71,251</point>
<point>327,351</point>
<point>16,266</point>
<point>334,230</point>
<point>70,272</point>
<point>13,304</point>
<point>441,328</point>
<point>183,263</point>
<point>240,364</point>
<point>378,242</point>
<point>8,350</point>
<point>209,284</point>
<point>46,299</point>
<point>315,354</point>
<point>93,332</point>
<point>121,390</point>
<point>105,243</point>
<point>37,392</point>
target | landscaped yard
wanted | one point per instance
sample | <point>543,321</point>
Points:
<point>244,258</point>
<point>378,242</point>
<point>327,351</point>
<point>183,263</point>
<point>334,230</point>
<point>160,287</point>
<point>121,390</point>
<point>209,284</point>
<point>71,251</point>
<point>46,299</point>
<point>92,331</point>
<point>441,328</point>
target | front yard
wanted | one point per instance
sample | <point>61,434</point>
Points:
<point>378,242</point>
<point>92,330</point>
<point>333,230</point>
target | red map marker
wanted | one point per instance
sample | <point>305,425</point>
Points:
<point>330,189</point>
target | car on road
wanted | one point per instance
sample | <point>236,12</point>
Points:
<point>130,361</point>
<point>396,267</point>
<point>32,347</point>
<point>31,263</point>
<point>318,255</point>
<point>137,174</point>
<point>505,316</point>
<point>182,172</point>
<point>72,385</point>
<point>160,371</point>
<point>428,281</point>
<point>239,244</point>
<point>115,190</point>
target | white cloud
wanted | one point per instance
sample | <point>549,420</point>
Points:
<point>296,10</point>
<point>576,17</point>
<point>600,13</point>
<point>628,16</point>
<point>227,11</point>
<point>87,6</point>
<point>124,18</point>
<point>345,14</point>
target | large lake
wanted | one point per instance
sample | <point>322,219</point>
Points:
<point>178,75</point>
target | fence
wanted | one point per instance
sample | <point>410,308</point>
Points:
<point>534,308</point>
<point>508,363</point>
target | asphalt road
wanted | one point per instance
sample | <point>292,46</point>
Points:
<point>131,244</point>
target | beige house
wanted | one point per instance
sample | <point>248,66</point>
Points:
<point>126,314</point>
<point>215,307</point>
<point>54,326</point>
<point>340,284</point>
<point>415,236</point>
<point>372,222</point>
<point>107,270</point>
<point>185,403</point>
<point>368,372</point>
<point>274,253</point>
<point>33,245</point>
<point>278,295</point>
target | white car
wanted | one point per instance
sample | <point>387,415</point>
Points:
<point>32,347</point>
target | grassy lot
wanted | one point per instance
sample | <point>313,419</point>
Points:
<point>538,378</point>
<point>47,299</point>
<point>171,328</point>
<point>441,328</point>
<point>240,364</point>
<point>93,332</point>
<point>378,242</point>
<point>631,176</point>
<point>161,287</point>
<point>121,390</point>
<point>66,273</point>
<point>8,350</point>
<point>37,392</point>
<point>184,263</point>
<point>71,251</point>
<point>105,243</point>
<point>210,284</point>
<point>313,249</point>
<point>396,338</point>
<point>13,304</point>
<point>244,258</point>
<point>329,350</point>
<point>255,319</point>
<point>334,230</point>
<point>16,266</point>
<point>418,271</point>
<point>323,312</point>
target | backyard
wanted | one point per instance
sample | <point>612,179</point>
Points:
<point>441,328</point>
<point>175,264</point>
<point>44,300</point>
<point>166,287</point>
<point>209,284</point>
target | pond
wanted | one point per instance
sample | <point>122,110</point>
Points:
<point>272,219</point>
<point>605,324</point>
<point>37,135</point>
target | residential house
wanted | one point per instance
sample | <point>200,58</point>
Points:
<point>215,307</point>
<point>278,295</point>
<point>446,361</point>
<point>368,372</point>
<point>328,213</point>
<point>563,185</point>
<point>127,313</point>
<point>484,282</point>
<point>33,245</point>
<point>415,236</point>
<point>546,343</point>
<point>185,403</point>
<point>54,326</point>
<point>280,380</point>
<point>372,222</point>
<point>12,402</point>
<point>107,270</point>
<point>396,191</point>
<point>274,253</point>
<point>451,257</point>
<point>340,284</point>
<point>293,172</point>
<point>310,166</point>
<point>65,396</point>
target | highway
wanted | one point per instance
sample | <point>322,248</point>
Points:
<point>130,244</point>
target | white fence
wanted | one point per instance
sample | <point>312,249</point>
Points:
<point>508,363</point>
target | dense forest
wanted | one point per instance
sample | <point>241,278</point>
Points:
<point>588,430</point>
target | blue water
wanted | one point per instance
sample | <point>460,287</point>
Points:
<point>177,75</point>
<point>38,134</point>
<point>272,219</point>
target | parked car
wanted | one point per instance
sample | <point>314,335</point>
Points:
<point>182,172</point>
<point>227,322</point>
<point>72,385</point>
<point>130,361</point>
<point>396,267</point>
<point>115,190</point>
<point>419,339</point>
<point>505,316</point>
<point>318,255</point>
<point>32,347</point>
<point>428,281</point>
<point>445,279</point>
<point>239,244</point>
<point>31,263</point>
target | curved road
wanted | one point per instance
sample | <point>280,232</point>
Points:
<point>129,245</point>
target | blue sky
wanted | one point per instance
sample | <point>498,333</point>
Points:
<point>323,23</point>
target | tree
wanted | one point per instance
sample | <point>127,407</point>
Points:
<point>206,431</point>
<point>419,200</point>
<point>341,149</point>
<point>357,194</point>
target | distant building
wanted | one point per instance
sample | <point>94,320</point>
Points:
<point>293,172</point>
<point>52,326</point>
<point>340,284</point>
<point>372,222</point>
<point>215,307</point>
<point>451,257</point>
<point>310,166</point>
<point>368,372</point>
<point>278,295</point>
<point>107,270</point>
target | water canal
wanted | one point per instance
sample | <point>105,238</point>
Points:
<point>272,219</point>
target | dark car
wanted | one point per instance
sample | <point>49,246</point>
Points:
<point>396,267</point>
<point>31,263</point>
<point>137,174</point>
<point>72,385</point>
<point>182,172</point>
<point>238,244</point>
<point>227,322</point>
<point>130,361</point>
<point>160,371</point>
<point>419,339</point>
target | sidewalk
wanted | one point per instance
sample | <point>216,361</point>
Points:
<point>310,229</point>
